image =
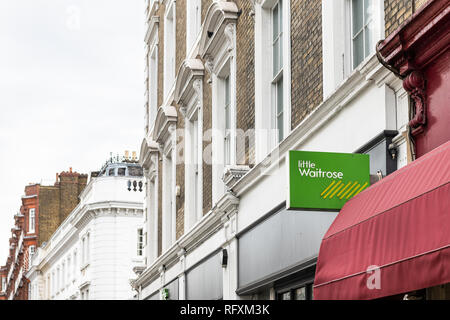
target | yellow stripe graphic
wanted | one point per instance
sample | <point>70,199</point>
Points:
<point>344,189</point>
<point>335,191</point>
<point>351,193</point>
<point>348,190</point>
<point>361,189</point>
<point>331,190</point>
<point>326,189</point>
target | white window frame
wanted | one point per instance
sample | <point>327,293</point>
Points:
<point>31,251</point>
<point>337,49</point>
<point>32,220</point>
<point>140,242</point>
<point>85,249</point>
<point>168,195</point>
<point>169,46</point>
<point>194,163</point>
<point>193,23</point>
<point>153,85</point>
<point>152,211</point>
<point>74,265</point>
<point>362,32</point>
<point>266,133</point>
<point>226,69</point>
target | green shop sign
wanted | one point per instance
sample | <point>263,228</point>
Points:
<point>324,180</point>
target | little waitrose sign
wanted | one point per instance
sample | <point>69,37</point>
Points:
<point>324,180</point>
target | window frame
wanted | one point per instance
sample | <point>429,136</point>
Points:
<point>267,80</point>
<point>32,220</point>
<point>362,30</point>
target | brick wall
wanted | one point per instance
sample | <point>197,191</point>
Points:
<point>306,58</point>
<point>57,202</point>
<point>245,79</point>
<point>160,176</point>
<point>207,124</point>
<point>397,11</point>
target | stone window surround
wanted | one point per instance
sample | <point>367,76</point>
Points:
<point>169,47</point>
<point>164,134</point>
<point>337,54</point>
<point>152,44</point>
<point>189,95</point>
<point>264,86</point>
<point>218,48</point>
<point>193,32</point>
<point>149,159</point>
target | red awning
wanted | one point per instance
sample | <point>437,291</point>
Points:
<point>401,225</point>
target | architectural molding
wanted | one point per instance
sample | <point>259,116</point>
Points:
<point>191,71</point>
<point>218,16</point>
<point>152,30</point>
<point>166,116</point>
<point>413,46</point>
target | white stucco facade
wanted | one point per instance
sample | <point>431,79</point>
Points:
<point>94,251</point>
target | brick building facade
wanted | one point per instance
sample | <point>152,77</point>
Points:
<point>240,83</point>
<point>43,209</point>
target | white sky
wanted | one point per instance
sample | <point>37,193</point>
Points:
<point>71,91</point>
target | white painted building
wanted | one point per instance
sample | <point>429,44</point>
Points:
<point>95,251</point>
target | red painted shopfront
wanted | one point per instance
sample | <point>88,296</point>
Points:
<point>419,53</point>
<point>393,239</point>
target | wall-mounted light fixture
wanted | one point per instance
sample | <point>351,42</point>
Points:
<point>224,258</point>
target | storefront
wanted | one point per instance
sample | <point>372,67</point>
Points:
<point>277,255</point>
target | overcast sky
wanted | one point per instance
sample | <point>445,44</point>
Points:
<point>71,91</point>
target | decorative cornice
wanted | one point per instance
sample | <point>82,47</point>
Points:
<point>152,30</point>
<point>233,173</point>
<point>190,71</point>
<point>166,116</point>
<point>218,16</point>
<point>148,149</point>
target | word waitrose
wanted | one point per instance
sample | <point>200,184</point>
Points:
<point>308,168</point>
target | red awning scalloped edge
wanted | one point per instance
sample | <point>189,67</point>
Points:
<point>393,237</point>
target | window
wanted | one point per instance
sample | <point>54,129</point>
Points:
<point>193,23</point>
<point>85,246</point>
<point>168,214</point>
<point>32,220</point>
<point>63,275</point>
<point>85,294</point>
<point>277,69</point>
<point>153,86</point>
<point>140,242</point>
<point>74,264</point>
<point>362,30</point>
<point>193,202</point>
<point>111,172</point>
<point>69,269</point>
<point>121,171</point>
<point>169,47</point>
<point>32,251</point>
<point>304,292</point>
<point>58,279</point>
<point>48,288</point>
<point>272,75</point>
<point>53,282</point>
